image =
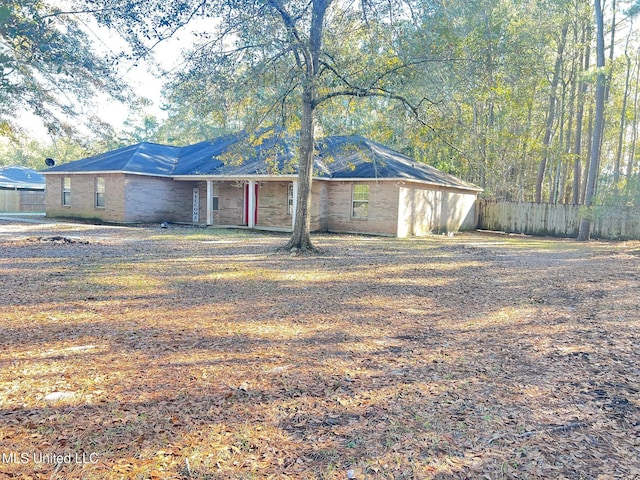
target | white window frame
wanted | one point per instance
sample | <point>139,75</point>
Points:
<point>215,197</point>
<point>290,199</point>
<point>100,191</point>
<point>359,199</point>
<point>66,191</point>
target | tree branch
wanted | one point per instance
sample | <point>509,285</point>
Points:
<point>414,109</point>
<point>290,25</point>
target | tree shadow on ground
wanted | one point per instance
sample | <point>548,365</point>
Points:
<point>396,360</point>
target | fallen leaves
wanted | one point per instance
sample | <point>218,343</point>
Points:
<point>205,354</point>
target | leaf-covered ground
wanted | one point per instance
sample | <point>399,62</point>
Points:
<point>187,353</point>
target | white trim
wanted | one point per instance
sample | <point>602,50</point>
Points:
<point>66,190</point>
<point>97,194</point>
<point>228,178</point>
<point>325,179</point>
<point>209,202</point>
<point>294,207</point>
<point>400,179</point>
<point>354,200</point>
<point>224,178</point>
<point>251,210</point>
<point>110,172</point>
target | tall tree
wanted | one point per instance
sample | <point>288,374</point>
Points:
<point>48,66</point>
<point>501,106</point>
<point>584,59</point>
<point>623,113</point>
<point>631,158</point>
<point>551,113</point>
<point>307,59</point>
<point>287,56</point>
<point>598,129</point>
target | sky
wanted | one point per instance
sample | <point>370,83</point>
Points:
<point>167,55</point>
<point>138,75</point>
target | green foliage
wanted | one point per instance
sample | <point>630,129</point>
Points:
<point>625,193</point>
<point>465,86</point>
<point>242,73</point>
<point>27,152</point>
<point>48,67</point>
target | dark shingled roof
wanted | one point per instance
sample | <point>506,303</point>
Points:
<point>21,178</point>
<point>357,157</point>
<point>146,158</point>
<point>339,157</point>
<point>228,155</point>
<point>235,156</point>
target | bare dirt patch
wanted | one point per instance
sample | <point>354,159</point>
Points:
<point>188,353</point>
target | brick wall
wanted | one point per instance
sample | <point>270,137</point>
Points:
<point>231,203</point>
<point>383,208</point>
<point>458,211</point>
<point>393,209</point>
<point>418,210</point>
<point>158,199</point>
<point>272,205</point>
<point>319,206</point>
<point>128,198</point>
<point>83,197</point>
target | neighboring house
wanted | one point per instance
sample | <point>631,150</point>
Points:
<point>359,186</point>
<point>21,190</point>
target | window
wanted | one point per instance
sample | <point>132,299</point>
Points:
<point>100,190</point>
<point>66,191</point>
<point>360,202</point>
<point>290,200</point>
<point>212,189</point>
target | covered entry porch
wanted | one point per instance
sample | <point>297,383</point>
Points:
<point>261,203</point>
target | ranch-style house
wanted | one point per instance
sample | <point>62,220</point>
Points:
<point>359,186</point>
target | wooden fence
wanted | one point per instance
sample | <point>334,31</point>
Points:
<point>558,220</point>
<point>21,201</point>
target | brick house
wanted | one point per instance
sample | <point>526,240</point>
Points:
<point>359,186</point>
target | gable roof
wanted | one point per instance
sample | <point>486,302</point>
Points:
<point>338,157</point>
<point>23,178</point>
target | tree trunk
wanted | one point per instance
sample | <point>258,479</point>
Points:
<point>623,114</point>
<point>556,187</point>
<point>301,237</point>
<point>589,143</point>
<point>550,114</point>
<point>582,92</point>
<point>598,128</point>
<point>612,47</point>
<point>634,130</point>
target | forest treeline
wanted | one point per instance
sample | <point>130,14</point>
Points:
<point>500,93</point>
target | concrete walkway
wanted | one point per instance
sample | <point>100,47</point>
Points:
<point>24,217</point>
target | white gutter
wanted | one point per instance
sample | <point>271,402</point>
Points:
<point>227,178</point>
<point>108,172</point>
<point>223,178</point>
<point>401,179</point>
